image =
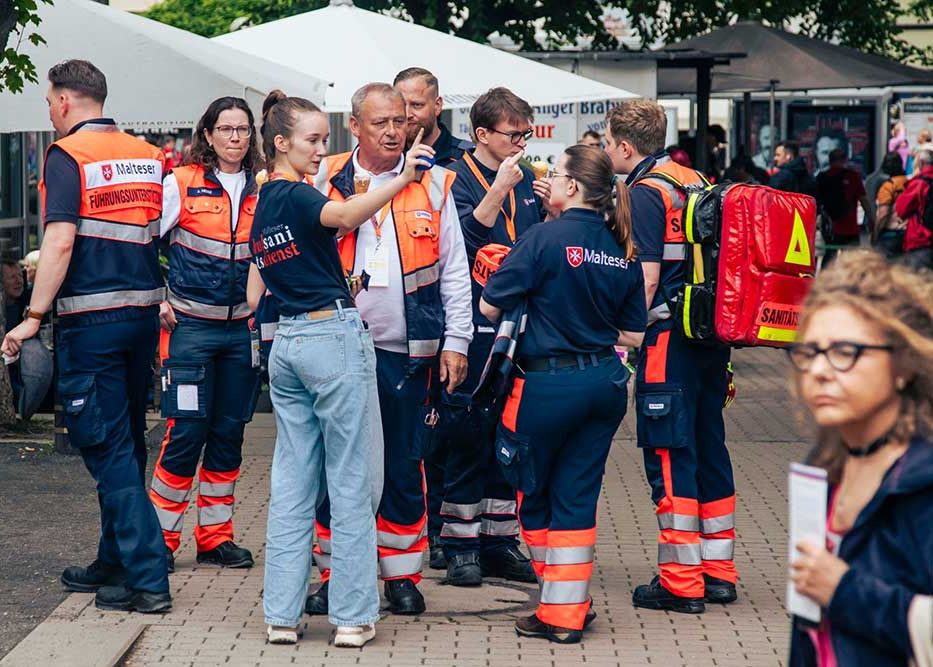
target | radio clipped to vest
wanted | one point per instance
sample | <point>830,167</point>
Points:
<point>748,266</point>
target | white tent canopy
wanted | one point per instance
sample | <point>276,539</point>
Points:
<point>350,47</point>
<point>157,76</point>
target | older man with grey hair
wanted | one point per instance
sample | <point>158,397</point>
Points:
<point>911,206</point>
<point>419,311</point>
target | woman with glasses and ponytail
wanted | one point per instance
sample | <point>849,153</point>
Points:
<point>209,379</point>
<point>864,368</point>
<point>584,293</point>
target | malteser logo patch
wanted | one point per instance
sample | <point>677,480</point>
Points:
<point>122,172</point>
<point>575,256</point>
<point>106,171</point>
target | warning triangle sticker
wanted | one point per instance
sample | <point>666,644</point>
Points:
<point>798,252</point>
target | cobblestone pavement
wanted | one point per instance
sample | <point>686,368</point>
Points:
<point>217,618</point>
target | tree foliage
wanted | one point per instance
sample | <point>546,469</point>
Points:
<point>869,25</point>
<point>18,20</point>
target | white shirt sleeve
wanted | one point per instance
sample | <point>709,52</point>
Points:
<point>320,178</point>
<point>456,292</point>
<point>171,204</point>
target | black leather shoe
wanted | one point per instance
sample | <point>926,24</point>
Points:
<point>532,626</point>
<point>227,554</point>
<point>436,558</point>
<point>509,563</point>
<point>655,596</point>
<point>170,561</point>
<point>404,597</point>
<point>719,590</point>
<point>316,604</point>
<point>121,598</point>
<point>88,579</point>
<point>463,570</point>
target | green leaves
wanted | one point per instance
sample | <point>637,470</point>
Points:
<point>17,19</point>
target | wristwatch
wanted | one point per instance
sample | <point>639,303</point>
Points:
<point>34,314</point>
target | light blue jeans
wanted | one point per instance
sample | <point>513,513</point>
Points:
<point>323,386</point>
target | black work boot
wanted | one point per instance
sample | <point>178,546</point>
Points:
<point>403,597</point>
<point>316,604</point>
<point>121,598</point>
<point>655,596</point>
<point>532,626</point>
<point>436,558</point>
<point>227,554</point>
<point>169,561</point>
<point>88,579</point>
<point>719,590</point>
<point>463,570</point>
<point>509,563</point>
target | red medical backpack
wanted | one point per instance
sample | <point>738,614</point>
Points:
<point>750,261</point>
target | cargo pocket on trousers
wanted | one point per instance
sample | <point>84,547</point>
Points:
<point>662,422</point>
<point>183,392</point>
<point>83,418</point>
<point>424,441</point>
<point>514,457</point>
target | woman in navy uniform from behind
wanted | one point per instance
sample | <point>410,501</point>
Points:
<point>584,292</point>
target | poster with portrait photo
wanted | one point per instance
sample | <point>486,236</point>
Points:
<point>819,130</point>
<point>763,135</point>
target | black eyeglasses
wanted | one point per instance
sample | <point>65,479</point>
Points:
<point>841,355</point>
<point>515,137</point>
<point>227,131</point>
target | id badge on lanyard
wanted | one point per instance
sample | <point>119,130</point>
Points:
<point>377,259</point>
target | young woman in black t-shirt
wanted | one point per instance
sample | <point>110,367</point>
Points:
<point>322,376</point>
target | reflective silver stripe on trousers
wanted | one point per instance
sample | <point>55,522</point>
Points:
<point>717,524</point>
<point>461,511</point>
<point>717,549</point>
<point>267,330</point>
<point>167,492</point>
<point>538,553</point>
<point>70,305</point>
<point>674,251</point>
<point>569,555</point>
<point>209,246</point>
<point>211,515</point>
<point>322,561</point>
<point>499,528</point>
<point>424,348</point>
<point>679,522</point>
<point>118,231</point>
<point>208,311</point>
<point>565,592</point>
<point>460,530</point>
<point>170,521</point>
<point>498,506</point>
<point>662,312</point>
<point>422,278</point>
<point>685,554</point>
<point>216,490</point>
<point>393,541</point>
<point>402,565</point>
<point>324,545</point>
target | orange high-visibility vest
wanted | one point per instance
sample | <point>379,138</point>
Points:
<point>114,262</point>
<point>209,261</point>
<point>416,213</point>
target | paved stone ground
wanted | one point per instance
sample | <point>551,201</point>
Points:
<point>217,619</point>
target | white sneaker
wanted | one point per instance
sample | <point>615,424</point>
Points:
<point>281,634</point>
<point>354,636</point>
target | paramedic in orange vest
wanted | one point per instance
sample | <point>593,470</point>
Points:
<point>102,195</point>
<point>680,386</point>
<point>209,376</point>
<point>418,307</point>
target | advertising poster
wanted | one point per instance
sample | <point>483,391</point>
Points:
<point>917,114</point>
<point>763,135</point>
<point>819,130</point>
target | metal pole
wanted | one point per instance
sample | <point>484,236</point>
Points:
<point>747,125</point>
<point>775,132</point>
<point>704,84</point>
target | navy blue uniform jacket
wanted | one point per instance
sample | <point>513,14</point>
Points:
<point>890,555</point>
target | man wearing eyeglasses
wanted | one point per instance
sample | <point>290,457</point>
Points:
<point>498,199</point>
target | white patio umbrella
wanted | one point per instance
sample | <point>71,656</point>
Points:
<point>157,76</point>
<point>350,47</point>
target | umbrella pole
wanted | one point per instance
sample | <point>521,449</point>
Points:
<point>747,125</point>
<point>775,132</point>
<point>704,84</point>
